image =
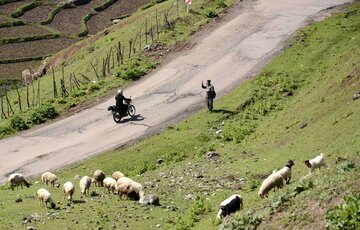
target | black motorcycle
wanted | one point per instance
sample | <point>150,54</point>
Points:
<point>118,114</point>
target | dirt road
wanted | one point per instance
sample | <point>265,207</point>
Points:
<point>237,47</point>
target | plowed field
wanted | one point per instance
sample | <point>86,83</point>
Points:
<point>37,14</point>
<point>11,7</point>
<point>22,31</point>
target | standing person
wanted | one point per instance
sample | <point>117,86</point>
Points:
<point>210,93</point>
<point>120,101</point>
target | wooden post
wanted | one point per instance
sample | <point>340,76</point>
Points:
<point>134,49</point>
<point>8,102</point>
<point>157,25</point>
<point>177,8</point>
<point>27,96</point>
<point>54,84</point>
<point>33,94</point>
<point>19,97</point>
<point>38,93</point>
<point>96,74</point>
<point>151,31</point>
<point>113,60</point>
<point>130,45</point>
<point>3,115</point>
<point>140,46</point>
<point>146,39</point>
<point>70,82</point>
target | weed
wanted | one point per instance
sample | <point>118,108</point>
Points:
<point>210,13</point>
<point>346,215</point>
<point>18,123</point>
<point>42,113</point>
<point>346,166</point>
<point>247,220</point>
<point>302,186</point>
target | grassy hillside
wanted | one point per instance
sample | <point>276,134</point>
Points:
<point>300,105</point>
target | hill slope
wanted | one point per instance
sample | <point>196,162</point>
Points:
<point>300,105</point>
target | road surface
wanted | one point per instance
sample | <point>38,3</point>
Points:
<point>236,48</point>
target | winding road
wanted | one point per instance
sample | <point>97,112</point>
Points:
<point>235,48</point>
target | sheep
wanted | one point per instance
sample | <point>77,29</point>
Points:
<point>116,175</point>
<point>85,183</point>
<point>98,178</point>
<point>285,172</point>
<point>230,205</point>
<point>17,179</point>
<point>69,190</point>
<point>272,181</point>
<point>109,184</point>
<point>45,196</point>
<point>130,188</point>
<point>50,177</point>
<point>316,162</point>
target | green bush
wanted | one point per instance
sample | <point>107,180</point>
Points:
<point>5,130</point>
<point>248,221</point>
<point>132,73</point>
<point>220,4</point>
<point>346,215</point>
<point>18,123</point>
<point>94,87</point>
<point>303,186</point>
<point>210,13</point>
<point>42,113</point>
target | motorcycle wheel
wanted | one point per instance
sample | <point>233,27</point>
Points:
<point>131,111</point>
<point>117,117</point>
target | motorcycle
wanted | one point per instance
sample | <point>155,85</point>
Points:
<point>118,115</point>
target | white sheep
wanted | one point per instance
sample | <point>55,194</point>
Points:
<point>272,181</point>
<point>98,178</point>
<point>316,162</point>
<point>116,175</point>
<point>230,205</point>
<point>45,197</point>
<point>69,190</point>
<point>50,177</point>
<point>130,188</point>
<point>17,179</point>
<point>109,184</point>
<point>85,183</point>
<point>285,172</point>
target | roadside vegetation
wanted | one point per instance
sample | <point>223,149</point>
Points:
<point>300,105</point>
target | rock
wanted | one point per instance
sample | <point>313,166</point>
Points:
<point>77,177</point>
<point>303,125</point>
<point>36,182</point>
<point>218,131</point>
<point>18,200</point>
<point>158,225</point>
<point>147,47</point>
<point>162,174</point>
<point>116,21</point>
<point>113,226</point>
<point>212,155</point>
<point>159,161</point>
<point>190,197</point>
<point>29,196</point>
<point>151,200</point>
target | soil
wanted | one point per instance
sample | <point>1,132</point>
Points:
<point>37,14</point>
<point>69,21</point>
<point>5,19</point>
<point>22,31</point>
<point>102,20</point>
<point>11,7</point>
<point>34,48</point>
<point>13,70</point>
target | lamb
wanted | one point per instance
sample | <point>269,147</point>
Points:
<point>17,179</point>
<point>50,177</point>
<point>45,196</point>
<point>99,177</point>
<point>285,172</point>
<point>69,191</point>
<point>85,183</point>
<point>230,205</point>
<point>316,162</point>
<point>130,188</point>
<point>109,184</point>
<point>272,181</point>
<point>116,175</point>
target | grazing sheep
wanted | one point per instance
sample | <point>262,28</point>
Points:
<point>45,196</point>
<point>316,162</point>
<point>272,181</point>
<point>230,205</point>
<point>50,177</point>
<point>116,175</point>
<point>109,184</point>
<point>17,179</point>
<point>85,183</point>
<point>285,172</point>
<point>69,190</point>
<point>99,177</point>
<point>130,188</point>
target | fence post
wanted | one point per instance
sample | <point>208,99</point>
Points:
<point>130,45</point>
<point>33,93</point>
<point>157,24</point>
<point>3,115</point>
<point>54,84</point>
<point>19,97</point>
<point>96,74</point>
<point>38,94</point>
<point>146,39</point>
<point>27,96</point>
<point>8,102</point>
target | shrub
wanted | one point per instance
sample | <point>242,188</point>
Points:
<point>132,73</point>
<point>346,215</point>
<point>5,130</point>
<point>248,221</point>
<point>210,13</point>
<point>42,113</point>
<point>303,186</point>
<point>346,166</point>
<point>18,123</point>
<point>94,88</point>
<point>220,4</point>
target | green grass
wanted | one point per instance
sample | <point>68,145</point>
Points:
<point>300,105</point>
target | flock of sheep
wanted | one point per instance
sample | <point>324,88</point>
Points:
<point>274,180</point>
<point>117,183</point>
<point>122,185</point>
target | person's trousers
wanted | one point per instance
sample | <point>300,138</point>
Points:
<point>210,103</point>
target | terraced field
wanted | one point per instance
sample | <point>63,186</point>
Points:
<point>24,23</point>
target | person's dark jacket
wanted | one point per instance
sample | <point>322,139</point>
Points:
<point>120,101</point>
